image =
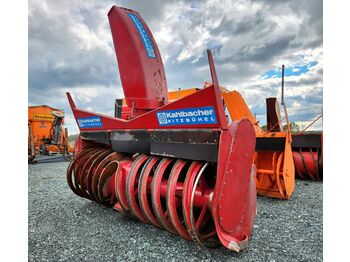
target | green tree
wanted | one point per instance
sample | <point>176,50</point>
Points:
<point>293,127</point>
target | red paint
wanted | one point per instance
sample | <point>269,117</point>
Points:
<point>132,187</point>
<point>221,201</point>
<point>143,78</point>
<point>234,200</point>
<point>202,98</point>
<point>120,182</point>
<point>306,164</point>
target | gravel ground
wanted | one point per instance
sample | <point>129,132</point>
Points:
<point>65,227</point>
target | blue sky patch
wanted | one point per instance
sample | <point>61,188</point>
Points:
<point>290,71</point>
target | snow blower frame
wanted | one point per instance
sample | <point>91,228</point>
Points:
<point>180,166</point>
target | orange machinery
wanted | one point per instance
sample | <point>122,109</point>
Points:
<point>273,158</point>
<point>273,152</point>
<point>46,135</point>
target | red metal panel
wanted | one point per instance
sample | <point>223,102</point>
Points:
<point>234,200</point>
<point>222,116</point>
<point>202,98</point>
<point>140,64</point>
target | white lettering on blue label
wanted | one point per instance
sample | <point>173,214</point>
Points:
<point>90,122</point>
<point>187,116</point>
<point>146,40</point>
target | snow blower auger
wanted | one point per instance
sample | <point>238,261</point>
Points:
<point>273,153</point>
<point>308,155</point>
<point>179,166</point>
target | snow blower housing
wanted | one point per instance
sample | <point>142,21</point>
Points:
<point>177,165</point>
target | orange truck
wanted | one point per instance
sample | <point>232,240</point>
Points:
<point>46,134</point>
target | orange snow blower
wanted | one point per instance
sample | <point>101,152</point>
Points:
<point>177,165</point>
<point>273,153</point>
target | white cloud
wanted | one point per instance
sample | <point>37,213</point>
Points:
<point>71,49</point>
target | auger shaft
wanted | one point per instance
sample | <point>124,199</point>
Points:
<point>176,195</point>
<point>95,174</point>
<point>306,165</point>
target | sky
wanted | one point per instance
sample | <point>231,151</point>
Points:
<point>71,49</point>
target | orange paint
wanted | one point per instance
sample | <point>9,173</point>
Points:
<point>274,169</point>
<point>40,119</point>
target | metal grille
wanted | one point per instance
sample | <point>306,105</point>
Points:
<point>308,119</point>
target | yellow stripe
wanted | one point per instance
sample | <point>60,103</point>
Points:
<point>44,117</point>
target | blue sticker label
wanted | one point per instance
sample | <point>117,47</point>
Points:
<point>187,116</point>
<point>89,122</point>
<point>144,36</point>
